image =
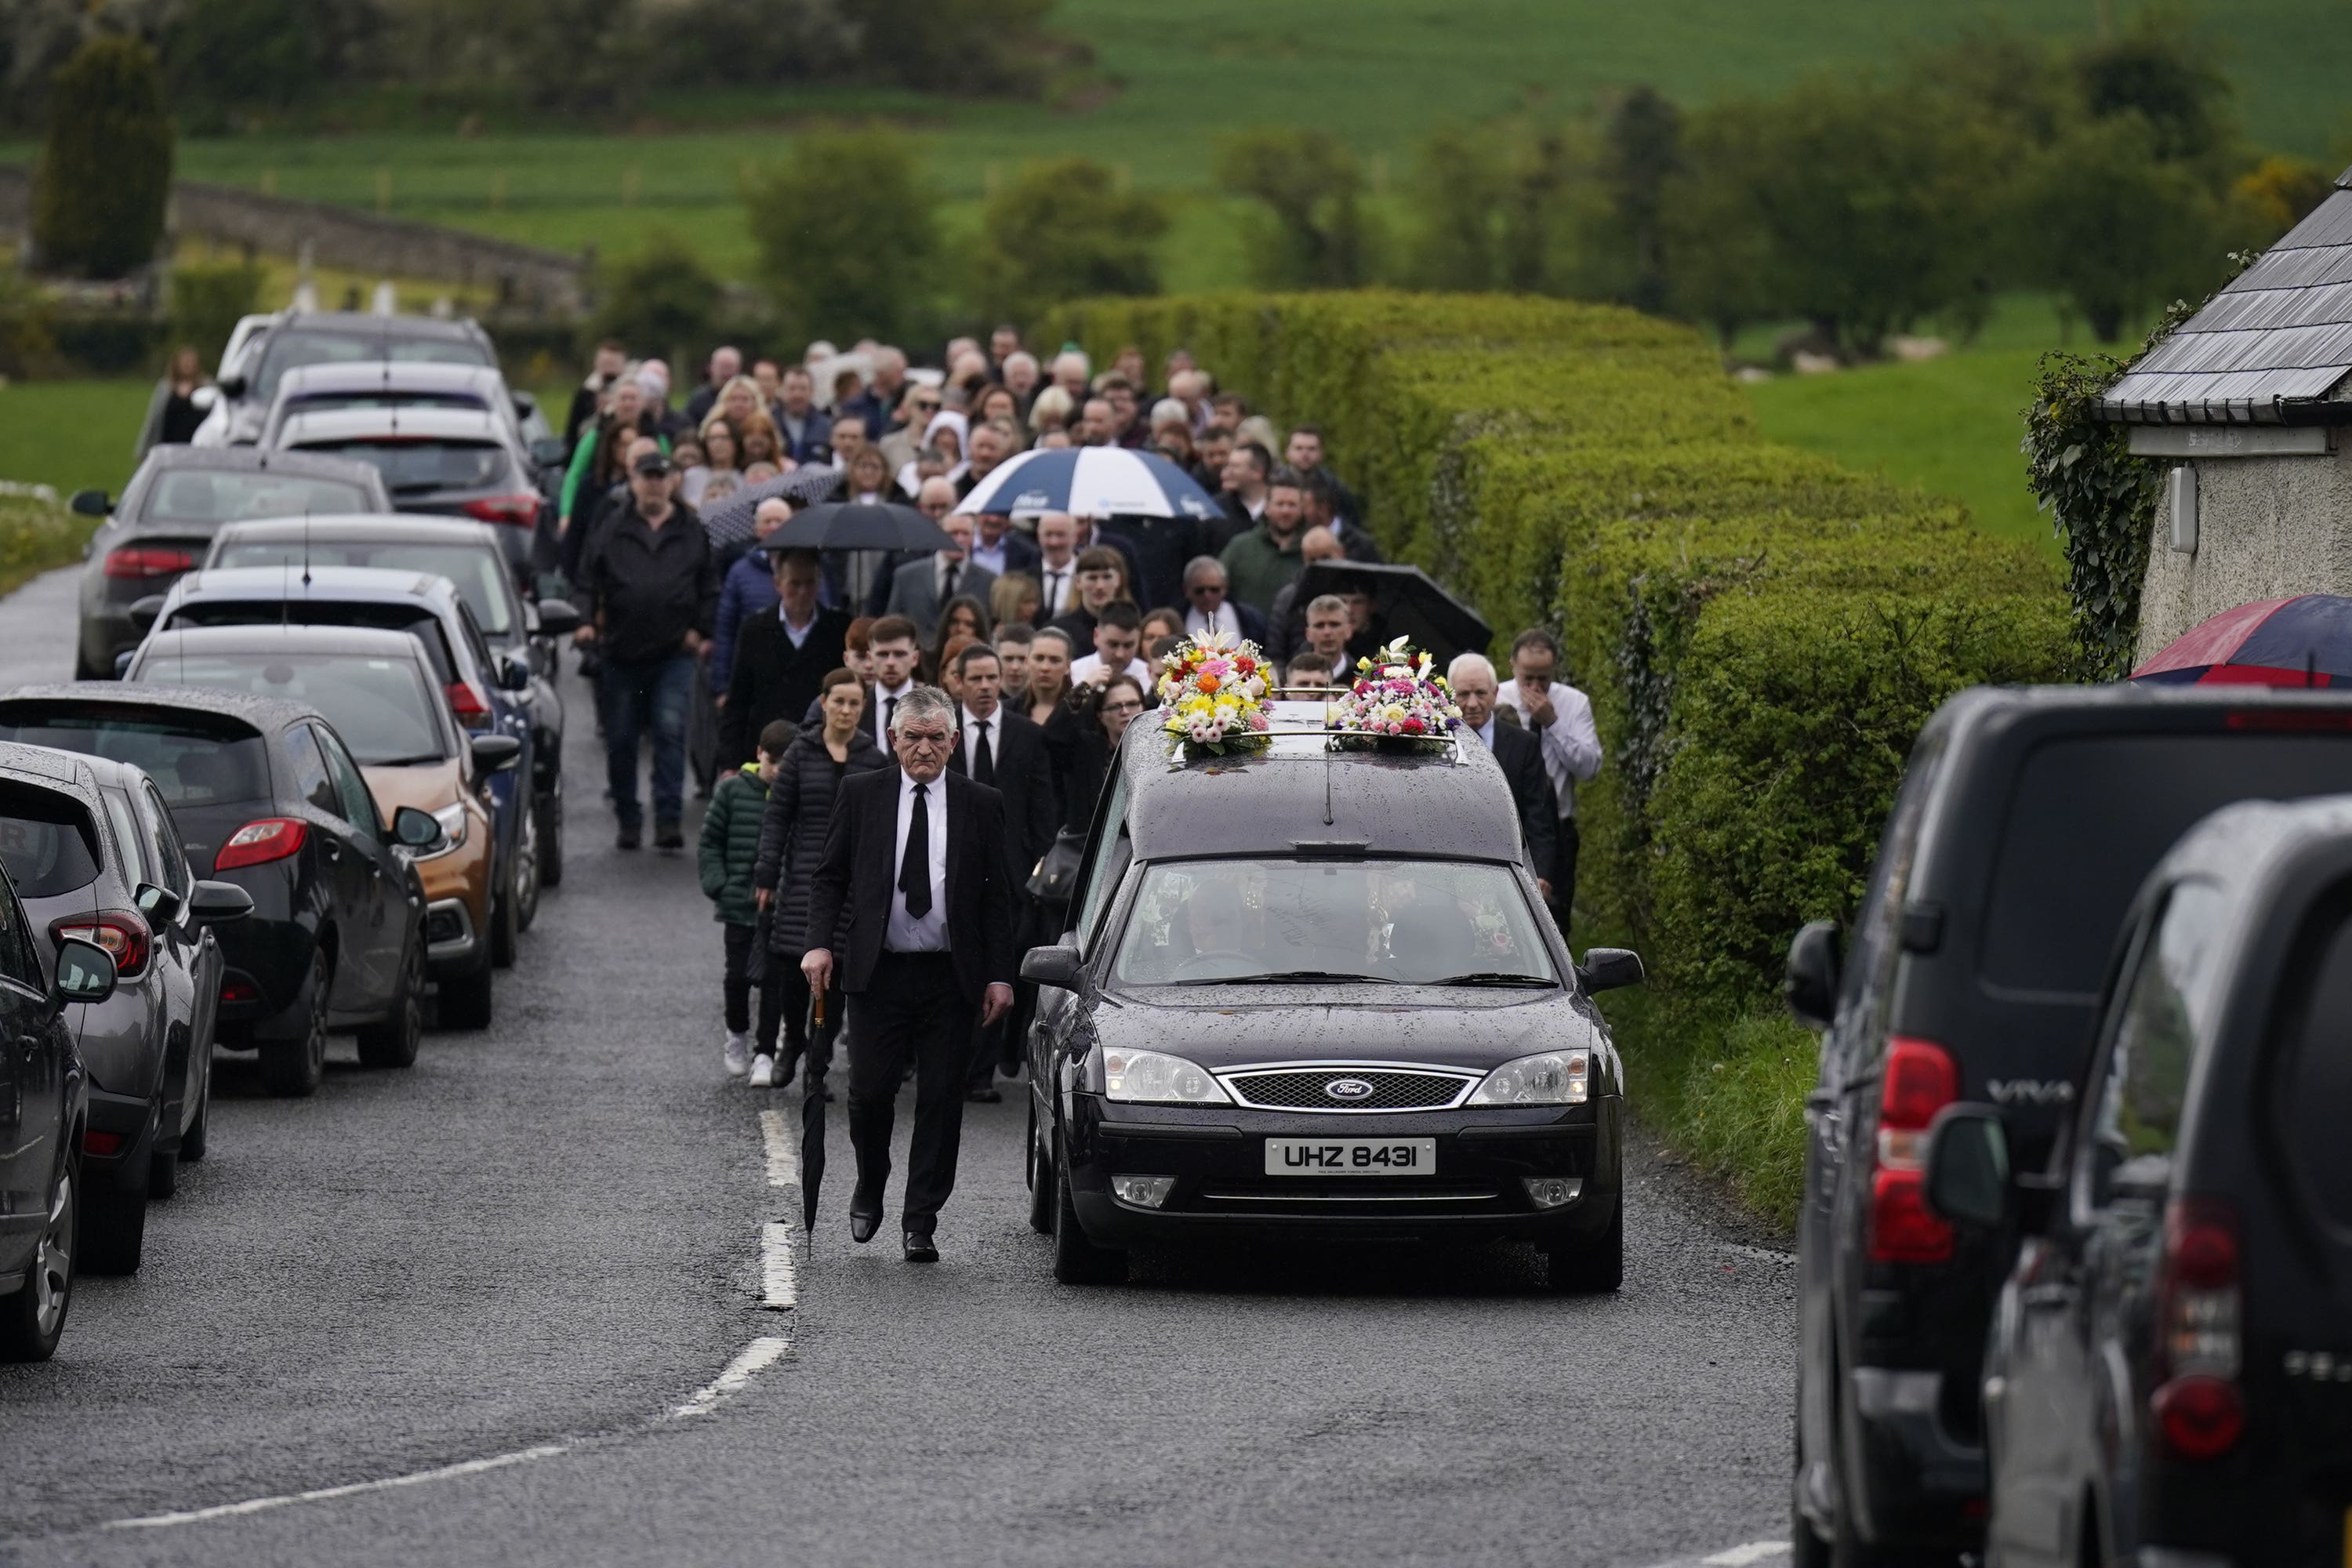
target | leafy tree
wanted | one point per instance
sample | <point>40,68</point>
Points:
<point>2161,73</point>
<point>1457,188</point>
<point>847,234</point>
<point>2115,227</point>
<point>105,171</point>
<point>2277,193</point>
<point>1063,230</point>
<point>1317,235</point>
<point>1640,150</point>
<point>660,300</point>
<point>226,59</point>
<point>1718,256</point>
<point>207,303</point>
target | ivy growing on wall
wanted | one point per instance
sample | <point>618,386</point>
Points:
<point>2102,501</point>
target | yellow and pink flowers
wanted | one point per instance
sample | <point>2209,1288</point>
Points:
<point>1398,696</point>
<point>1211,690</point>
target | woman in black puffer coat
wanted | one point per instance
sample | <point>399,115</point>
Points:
<point>792,842</point>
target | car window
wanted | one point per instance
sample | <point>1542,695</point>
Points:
<point>418,622</point>
<point>413,466</point>
<point>1869,978</point>
<point>1414,922</point>
<point>195,759</point>
<point>1107,859</point>
<point>2316,1032</point>
<point>163,835</point>
<point>478,571</point>
<point>310,779</point>
<point>285,349</point>
<point>2090,815</point>
<point>46,840</point>
<point>122,818</point>
<point>2157,1015</point>
<point>384,709</point>
<point>202,496</point>
<point>17,960</point>
<point>476,643</point>
<point>359,804</point>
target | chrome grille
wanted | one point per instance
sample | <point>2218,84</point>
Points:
<point>1309,1088</point>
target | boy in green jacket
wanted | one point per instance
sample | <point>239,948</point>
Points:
<point>730,845</point>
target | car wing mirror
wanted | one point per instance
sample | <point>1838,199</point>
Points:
<point>1609,969</point>
<point>85,974</point>
<point>1968,1180</point>
<point>548,450</point>
<point>143,612</point>
<point>231,385</point>
<point>557,619</point>
<point>413,828</point>
<point>90,503</point>
<point>514,674</point>
<point>1810,982</point>
<point>218,903</point>
<point>495,753</point>
<point>1058,966</point>
<point>159,905</point>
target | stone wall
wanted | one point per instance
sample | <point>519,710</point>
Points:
<point>2269,526</point>
<point>521,276</point>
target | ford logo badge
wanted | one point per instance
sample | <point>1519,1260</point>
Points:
<point>1347,1089</point>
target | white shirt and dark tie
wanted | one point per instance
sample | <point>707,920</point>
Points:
<point>982,739</point>
<point>948,573</point>
<point>885,710</point>
<point>919,900</point>
<point>1058,584</point>
<point>1225,621</point>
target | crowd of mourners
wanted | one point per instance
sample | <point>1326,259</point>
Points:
<point>1044,630</point>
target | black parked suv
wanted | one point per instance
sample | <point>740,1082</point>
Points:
<point>2027,818</point>
<point>266,797</point>
<point>2170,1379</point>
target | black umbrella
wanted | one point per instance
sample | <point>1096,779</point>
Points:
<point>861,525</point>
<point>729,522</point>
<point>1405,604</point>
<point>812,1120</point>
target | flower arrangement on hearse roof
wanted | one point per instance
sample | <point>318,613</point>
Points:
<point>1399,699</point>
<point>1212,689</point>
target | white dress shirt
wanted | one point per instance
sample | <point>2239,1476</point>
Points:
<point>1571,745</point>
<point>991,556</point>
<point>1082,671</point>
<point>1227,621</point>
<point>939,566</point>
<point>1486,732</point>
<point>972,725</point>
<point>1058,586</point>
<point>881,714</point>
<point>797,634</point>
<point>905,933</point>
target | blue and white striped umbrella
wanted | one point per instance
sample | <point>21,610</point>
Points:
<point>1090,481</point>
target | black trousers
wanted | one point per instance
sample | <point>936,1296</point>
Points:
<point>1563,873</point>
<point>800,1038</point>
<point>912,1012</point>
<point>740,942</point>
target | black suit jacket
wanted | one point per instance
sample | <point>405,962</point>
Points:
<point>773,679</point>
<point>850,896</point>
<point>1024,777</point>
<point>1521,756</point>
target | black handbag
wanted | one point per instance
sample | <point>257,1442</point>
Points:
<point>1057,876</point>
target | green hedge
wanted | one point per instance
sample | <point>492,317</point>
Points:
<point>1761,631</point>
<point>36,534</point>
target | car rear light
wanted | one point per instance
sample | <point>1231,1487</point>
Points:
<point>2199,1407</point>
<point>1919,1080</point>
<point>258,843</point>
<point>472,709</point>
<point>94,1142</point>
<point>517,510</point>
<point>137,564</point>
<point>240,991</point>
<point>122,933</point>
<point>2291,718</point>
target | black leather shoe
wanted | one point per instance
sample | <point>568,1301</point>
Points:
<point>631,837</point>
<point>919,1249</point>
<point>668,836</point>
<point>862,1226</point>
<point>985,1096</point>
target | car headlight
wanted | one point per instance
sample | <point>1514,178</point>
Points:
<point>1553,1077</point>
<point>453,820</point>
<point>1156,1078</point>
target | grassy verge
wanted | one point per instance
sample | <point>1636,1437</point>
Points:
<point>72,434</point>
<point>36,536</point>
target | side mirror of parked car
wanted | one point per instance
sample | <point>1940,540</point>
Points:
<point>514,674</point>
<point>122,663</point>
<point>90,503</point>
<point>218,903</point>
<point>143,612</point>
<point>231,385</point>
<point>557,619</point>
<point>1609,969</point>
<point>159,905</point>
<point>415,829</point>
<point>1811,984</point>
<point>85,974</point>
<point>1055,966</point>
<point>495,753</point>
<point>1968,1167</point>
<point>547,451</point>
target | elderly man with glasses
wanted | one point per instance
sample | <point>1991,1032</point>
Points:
<point>1207,610</point>
<point>911,911</point>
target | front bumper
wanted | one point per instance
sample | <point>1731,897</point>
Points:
<point>1217,1154</point>
<point>452,942</point>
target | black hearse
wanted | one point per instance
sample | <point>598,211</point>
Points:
<point>1313,992</point>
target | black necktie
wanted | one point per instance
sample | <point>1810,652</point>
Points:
<point>983,761</point>
<point>1052,594</point>
<point>948,592</point>
<point>915,869</point>
<point>889,717</point>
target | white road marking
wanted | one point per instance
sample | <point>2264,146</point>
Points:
<point>780,1293</point>
<point>356,1489</point>
<point>784,1143</point>
<point>757,1357</point>
<point>1741,1556</point>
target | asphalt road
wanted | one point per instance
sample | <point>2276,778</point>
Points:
<point>509,1304</point>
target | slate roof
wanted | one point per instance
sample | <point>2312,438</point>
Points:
<point>2269,349</point>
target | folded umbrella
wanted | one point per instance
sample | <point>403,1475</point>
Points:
<point>811,1123</point>
<point>860,525</point>
<point>1405,603</point>
<point>1090,481</point>
<point>2301,641</point>
<point>728,522</point>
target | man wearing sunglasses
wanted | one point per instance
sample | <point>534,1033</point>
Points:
<point>915,897</point>
<point>906,437</point>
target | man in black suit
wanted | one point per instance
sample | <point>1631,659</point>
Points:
<point>780,659</point>
<point>1001,749</point>
<point>914,898</point>
<point>1520,754</point>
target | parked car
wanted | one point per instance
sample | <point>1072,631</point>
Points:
<point>2026,820</point>
<point>92,854</point>
<point>177,499</point>
<point>467,554</point>
<point>486,692</point>
<point>391,384</point>
<point>460,462</point>
<point>2169,1378</point>
<point>289,340</point>
<point>1309,993</point>
<point>264,797</point>
<point>375,688</point>
<point>43,1098</point>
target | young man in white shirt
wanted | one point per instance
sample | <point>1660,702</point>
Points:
<point>1118,633</point>
<point>892,646</point>
<point>1561,717</point>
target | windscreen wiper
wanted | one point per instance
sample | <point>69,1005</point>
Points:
<point>1498,977</point>
<point>1293,976</point>
<point>416,761</point>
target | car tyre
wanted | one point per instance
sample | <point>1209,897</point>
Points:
<point>527,871</point>
<point>1040,1170</point>
<point>392,1042</point>
<point>34,1315</point>
<point>114,1223</point>
<point>506,928</point>
<point>1806,1548</point>
<point>1593,1267</point>
<point>550,813</point>
<point>466,998</point>
<point>293,1069</point>
<point>1076,1260</point>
